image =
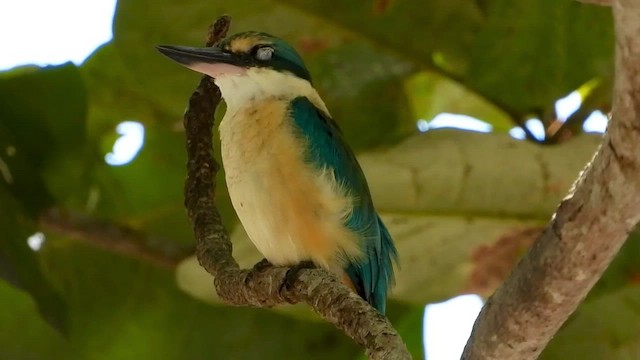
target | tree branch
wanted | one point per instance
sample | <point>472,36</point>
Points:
<point>596,2</point>
<point>588,229</point>
<point>109,236</point>
<point>321,290</point>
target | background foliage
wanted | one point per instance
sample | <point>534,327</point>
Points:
<point>114,279</point>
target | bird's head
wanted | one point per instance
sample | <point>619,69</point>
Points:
<point>248,61</point>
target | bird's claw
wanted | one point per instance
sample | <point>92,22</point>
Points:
<point>292,274</point>
<point>257,268</point>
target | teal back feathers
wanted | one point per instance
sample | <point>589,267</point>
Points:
<point>372,274</point>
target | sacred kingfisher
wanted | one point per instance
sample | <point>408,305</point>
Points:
<point>293,180</point>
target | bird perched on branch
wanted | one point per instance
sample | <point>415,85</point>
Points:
<point>294,182</point>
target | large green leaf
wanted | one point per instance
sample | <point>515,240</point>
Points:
<point>20,266</point>
<point>124,309</point>
<point>623,271</point>
<point>25,334</point>
<point>527,54</point>
<point>42,114</point>
<point>44,110</point>
<point>521,56</point>
<point>422,31</point>
<point>147,192</point>
<point>606,328</point>
<point>42,118</point>
<point>432,94</point>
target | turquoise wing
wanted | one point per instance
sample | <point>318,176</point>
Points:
<point>373,274</point>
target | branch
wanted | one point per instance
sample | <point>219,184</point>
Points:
<point>596,2</point>
<point>109,236</point>
<point>321,290</point>
<point>588,229</point>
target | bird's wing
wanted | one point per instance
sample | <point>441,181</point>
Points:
<point>373,273</point>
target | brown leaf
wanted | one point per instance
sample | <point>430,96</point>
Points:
<point>310,45</point>
<point>492,263</point>
<point>381,6</point>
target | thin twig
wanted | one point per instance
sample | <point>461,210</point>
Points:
<point>322,291</point>
<point>596,2</point>
<point>588,229</point>
<point>110,236</point>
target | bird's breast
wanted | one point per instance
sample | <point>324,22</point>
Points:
<point>291,210</point>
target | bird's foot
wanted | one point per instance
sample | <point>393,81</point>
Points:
<point>257,268</point>
<point>292,274</point>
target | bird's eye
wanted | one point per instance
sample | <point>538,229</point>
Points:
<point>264,53</point>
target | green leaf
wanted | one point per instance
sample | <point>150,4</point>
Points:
<point>623,271</point>
<point>26,334</point>
<point>20,266</point>
<point>416,30</point>
<point>605,328</point>
<point>42,117</point>
<point>123,309</point>
<point>45,110</point>
<point>147,192</point>
<point>521,56</point>
<point>43,134</point>
<point>432,94</point>
<point>527,53</point>
<point>20,175</point>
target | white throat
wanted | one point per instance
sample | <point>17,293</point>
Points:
<point>259,83</point>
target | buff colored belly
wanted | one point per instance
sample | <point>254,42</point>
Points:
<point>290,210</point>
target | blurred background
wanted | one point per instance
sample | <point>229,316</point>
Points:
<point>471,119</point>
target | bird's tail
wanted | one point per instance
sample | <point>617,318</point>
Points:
<point>387,256</point>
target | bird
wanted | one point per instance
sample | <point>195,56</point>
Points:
<point>294,182</point>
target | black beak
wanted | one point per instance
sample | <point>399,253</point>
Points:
<point>189,55</point>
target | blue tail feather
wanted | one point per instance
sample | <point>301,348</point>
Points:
<point>385,259</point>
<point>373,275</point>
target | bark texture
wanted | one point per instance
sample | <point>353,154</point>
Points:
<point>263,286</point>
<point>586,232</point>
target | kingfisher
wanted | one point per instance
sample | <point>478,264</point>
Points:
<point>294,183</point>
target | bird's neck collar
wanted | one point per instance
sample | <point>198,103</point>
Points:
<point>258,84</point>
